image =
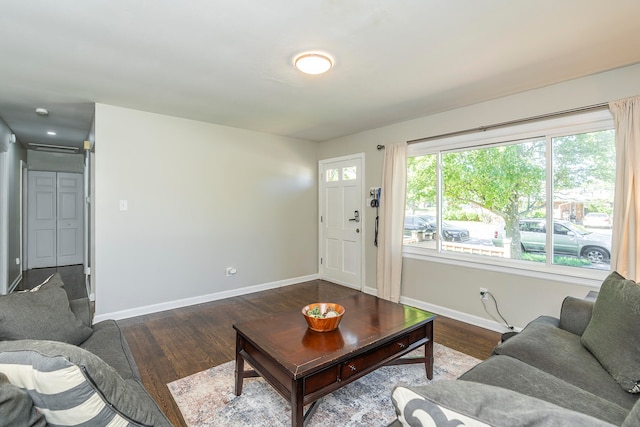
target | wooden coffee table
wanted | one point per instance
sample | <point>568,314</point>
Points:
<point>303,365</point>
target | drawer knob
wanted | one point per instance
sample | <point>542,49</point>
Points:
<point>401,345</point>
<point>353,368</point>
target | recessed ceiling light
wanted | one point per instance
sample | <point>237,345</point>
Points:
<point>50,132</point>
<point>313,63</point>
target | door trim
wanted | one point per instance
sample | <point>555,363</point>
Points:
<point>363,216</point>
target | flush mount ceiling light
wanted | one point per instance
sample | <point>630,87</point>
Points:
<point>313,63</point>
<point>42,111</point>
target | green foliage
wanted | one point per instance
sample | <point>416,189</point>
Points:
<point>559,260</point>
<point>584,160</point>
<point>599,206</point>
<point>421,181</point>
<point>461,216</point>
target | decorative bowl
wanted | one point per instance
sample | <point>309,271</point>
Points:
<point>323,324</point>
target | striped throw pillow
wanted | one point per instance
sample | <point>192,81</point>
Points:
<point>71,386</point>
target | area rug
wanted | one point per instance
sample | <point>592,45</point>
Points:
<point>207,398</point>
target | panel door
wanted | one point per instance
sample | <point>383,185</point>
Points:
<point>41,223</point>
<point>69,221</point>
<point>55,219</point>
<point>341,221</point>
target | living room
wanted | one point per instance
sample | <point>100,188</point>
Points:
<point>204,197</point>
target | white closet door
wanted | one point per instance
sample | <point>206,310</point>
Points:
<point>70,219</point>
<point>55,219</point>
<point>42,219</point>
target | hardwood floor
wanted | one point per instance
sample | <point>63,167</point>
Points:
<point>174,344</point>
<point>72,276</point>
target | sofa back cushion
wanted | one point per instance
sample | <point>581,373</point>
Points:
<point>43,313</point>
<point>612,334</point>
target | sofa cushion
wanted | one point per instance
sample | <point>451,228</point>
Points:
<point>472,404</point>
<point>16,407</point>
<point>575,315</point>
<point>416,410</point>
<point>109,344</point>
<point>42,314</point>
<point>612,333</point>
<point>509,373</point>
<point>72,386</point>
<point>633,419</point>
<point>545,346</point>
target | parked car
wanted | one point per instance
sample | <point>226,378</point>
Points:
<point>568,239</point>
<point>415,224</point>
<point>450,232</point>
<point>597,219</point>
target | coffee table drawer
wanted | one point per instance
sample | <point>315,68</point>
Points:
<point>320,380</point>
<point>374,357</point>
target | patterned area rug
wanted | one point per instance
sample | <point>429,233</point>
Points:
<point>207,398</point>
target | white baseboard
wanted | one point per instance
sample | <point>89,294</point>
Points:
<point>155,308</point>
<point>370,290</point>
<point>457,315</point>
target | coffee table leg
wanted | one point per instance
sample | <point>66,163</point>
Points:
<point>428,351</point>
<point>297,406</point>
<point>239,365</point>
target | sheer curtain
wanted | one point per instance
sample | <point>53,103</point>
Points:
<point>392,203</point>
<point>626,210</point>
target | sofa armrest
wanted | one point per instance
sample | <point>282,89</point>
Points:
<point>575,315</point>
<point>81,307</point>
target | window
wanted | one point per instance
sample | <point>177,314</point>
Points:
<point>491,196</point>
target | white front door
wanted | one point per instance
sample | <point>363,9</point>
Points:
<point>341,220</point>
<point>54,225</point>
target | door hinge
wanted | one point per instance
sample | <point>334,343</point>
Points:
<point>320,260</point>
<point>320,218</point>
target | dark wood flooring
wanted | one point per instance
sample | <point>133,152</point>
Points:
<point>174,344</point>
<point>72,276</point>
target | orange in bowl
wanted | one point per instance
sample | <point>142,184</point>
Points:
<point>323,316</point>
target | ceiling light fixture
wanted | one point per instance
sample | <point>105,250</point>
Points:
<point>313,63</point>
<point>50,132</point>
<point>42,111</point>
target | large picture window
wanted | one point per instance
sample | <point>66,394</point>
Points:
<point>533,196</point>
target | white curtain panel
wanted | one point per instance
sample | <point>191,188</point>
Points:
<point>391,229</point>
<point>626,222</point>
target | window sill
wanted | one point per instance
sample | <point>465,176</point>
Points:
<point>570,275</point>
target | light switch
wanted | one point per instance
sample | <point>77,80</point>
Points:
<point>124,205</point>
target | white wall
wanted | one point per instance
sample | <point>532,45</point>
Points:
<point>454,290</point>
<point>55,162</point>
<point>201,198</point>
<point>10,208</point>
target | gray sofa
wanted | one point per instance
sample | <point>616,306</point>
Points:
<point>56,367</point>
<point>582,368</point>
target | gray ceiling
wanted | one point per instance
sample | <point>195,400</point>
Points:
<point>230,62</point>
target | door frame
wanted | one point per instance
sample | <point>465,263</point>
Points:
<point>363,217</point>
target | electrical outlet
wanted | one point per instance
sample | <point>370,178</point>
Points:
<point>483,293</point>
